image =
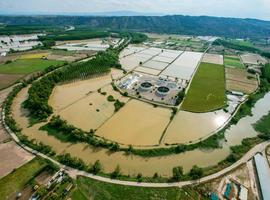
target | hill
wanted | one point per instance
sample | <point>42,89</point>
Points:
<point>174,24</point>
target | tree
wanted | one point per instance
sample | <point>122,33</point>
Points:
<point>116,173</point>
<point>178,173</point>
<point>155,175</point>
<point>139,177</point>
<point>196,172</point>
<point>96,168</point>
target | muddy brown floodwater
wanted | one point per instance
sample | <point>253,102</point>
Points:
<point>134,164</point>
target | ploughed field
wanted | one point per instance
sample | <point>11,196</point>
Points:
<point>207,89</point>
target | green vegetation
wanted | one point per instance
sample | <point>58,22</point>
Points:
<point>67,133</point>
<point>266,72</point>
<point>27,29</point>
<point>207,89</point>
<point>26,66</point>
<point>110,98</point>
<point>178,173</point>
<point>196,172</point>
<point>263,127</point>
<point>173,24</point>
<point>245,109</point>
<point>15,181</point>
<point>118,105</point>
<point>180,97</point>
<point>77,34</point>
<point>237,45</point>
<point>231,61</point>
<point>99,191</point>
<point>241,46</point>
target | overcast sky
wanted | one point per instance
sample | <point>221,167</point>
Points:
<point>259,9</point>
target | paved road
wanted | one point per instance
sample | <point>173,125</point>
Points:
<point>74,172</point>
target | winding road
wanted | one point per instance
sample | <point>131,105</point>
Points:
<point>74,172</point>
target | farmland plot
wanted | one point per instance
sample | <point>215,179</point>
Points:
<point>240,80</point>
<point>207,89</point>
<point>213,58</point>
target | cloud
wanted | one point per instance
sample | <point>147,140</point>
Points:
<point>229,8</point>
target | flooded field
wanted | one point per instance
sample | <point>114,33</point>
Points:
<point>137,123</point>
<point>190,127</point>
<point>82,105</point>
<point>91,111</point>
<point>63,95</point>
<point>134,164</point>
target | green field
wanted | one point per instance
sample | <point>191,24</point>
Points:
<point>15,181</point>
<point>96,190</point>
<point>234,62</point>
<point>207,89</point>
<point>27,66</point>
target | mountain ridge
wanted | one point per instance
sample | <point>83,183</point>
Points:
<point>173,24</point>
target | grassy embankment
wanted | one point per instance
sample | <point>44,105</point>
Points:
<point>88,188</point>
<point>207,90</point>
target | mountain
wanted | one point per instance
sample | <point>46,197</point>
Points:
<point>174,24</point>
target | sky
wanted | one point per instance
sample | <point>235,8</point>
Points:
<point>259,9</point>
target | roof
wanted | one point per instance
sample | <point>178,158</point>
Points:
<point>263,172</point>
<point>243,193</point>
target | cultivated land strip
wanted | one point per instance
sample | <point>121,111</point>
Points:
<point>74,172</point>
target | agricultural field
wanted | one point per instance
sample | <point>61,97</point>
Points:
<point>26,66</point>
<point>96,190</point>
<point>202,96</point>
<point>233,62</point>
<point>213,58</point>
<point>12,157</point>
<point>253,59</point>
<point>240,80</point>
<point>9,79</point>
<point>16,181</point>
<point>20,65</point>
<point>34,56</point>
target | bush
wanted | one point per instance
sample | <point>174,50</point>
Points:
<point>116,173</point>
<point>110,98</point>
<point>96,168</point>
<point>196,172</point>
<point>118,105</point>
<point>178,173</point>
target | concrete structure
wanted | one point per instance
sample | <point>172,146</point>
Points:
<point>263,173</point>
